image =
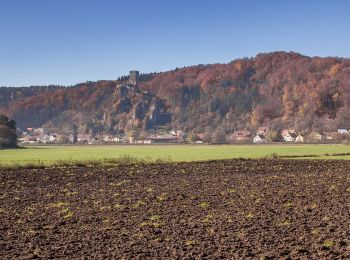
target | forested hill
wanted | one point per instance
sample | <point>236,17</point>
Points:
<point>277,89</point>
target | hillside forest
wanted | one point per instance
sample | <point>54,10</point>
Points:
<point>279,90</point>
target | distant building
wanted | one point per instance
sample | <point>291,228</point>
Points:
<point>316,137</point>
<point>166,138</point>
<point>39,130</point>
<point>241,136</point>
<point>343,131</point>
<point>109,139</point>
<point>134,77</point>
<point>117,139</point>
<point>259,139</point>
<point>179,134</point>
<point>263,130</point>
<point>53,138</point>
<point>289,135</point>
<point>299,139</point>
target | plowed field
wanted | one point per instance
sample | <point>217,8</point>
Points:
<point>236,209</point>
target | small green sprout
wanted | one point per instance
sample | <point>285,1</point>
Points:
<point>204,204</point>
<point>250,215</point>
<point>328,244</point>
<point>288,205</point>
<point>154,218</point>
<point>190,242</point>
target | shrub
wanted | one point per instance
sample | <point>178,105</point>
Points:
<point>8,136</point>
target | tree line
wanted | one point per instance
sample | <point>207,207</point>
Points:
<point>8,136</point>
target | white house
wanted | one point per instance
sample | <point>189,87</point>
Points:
<point>84,138</point>
<point>289,138</point>
<point>108,139</point>
<point>39,130</point>
<point>179,134</point>
<point>289,135</point>
<point>53,138</point>
<point>258,139</point>
<point>299,139</point>
<point>343,131</point>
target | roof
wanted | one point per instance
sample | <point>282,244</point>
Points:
<point>291,132</point>
<point>241,133</point>
<point>293,135</point>
<point>201,135</point>
<point>84,137</point>
<point>262,130</point>
<point>162,137</point>
<point>261,136</point>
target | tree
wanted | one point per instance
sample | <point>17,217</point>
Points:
<point>63,139</point>
<point>75,134</point>
<point>8,136</point>
<point>273,136</point>
<point>133,133</point>
<point>207,138</point>
<point>192,138</point>
<point>219,137</point>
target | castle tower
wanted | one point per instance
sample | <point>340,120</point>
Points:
<point>133,77</point>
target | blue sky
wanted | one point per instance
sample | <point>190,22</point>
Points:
<point>70,41</point>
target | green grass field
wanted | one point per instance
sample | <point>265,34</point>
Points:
<point>48,155</point>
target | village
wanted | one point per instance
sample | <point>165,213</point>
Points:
<point>261,136</point>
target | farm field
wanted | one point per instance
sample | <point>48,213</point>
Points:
<point>234,209</point>
<point>48,155</point>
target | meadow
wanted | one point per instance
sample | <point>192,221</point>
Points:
<point>51,155</point>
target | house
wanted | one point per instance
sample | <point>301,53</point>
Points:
<point>43,138</point>
<point>299,139</point>
<point>39,130</point>
<point>289,135</point>
<point>258,139</point>
<point>343,131</point>
<point>263,130</point>
<point>241,136</point>
<point>200,136</point>
<point>95,140</point>
<point>175,136</point>
<point>117,139</point>
<point>108,139</point>
<point>179,134</point>
<point>316,137</point>
<point>159,139</point>
<point>85,139</point>
<point>28,140</point>
<point>328,136</point>
<point>53,138</point>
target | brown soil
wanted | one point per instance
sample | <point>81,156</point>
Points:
<point>234,209</point>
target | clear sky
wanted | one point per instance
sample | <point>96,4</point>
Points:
<point>70,41</point>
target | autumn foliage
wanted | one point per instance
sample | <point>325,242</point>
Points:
<point>277,89</point>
